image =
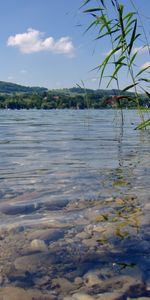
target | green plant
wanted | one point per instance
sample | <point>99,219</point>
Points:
<point>111,21</point>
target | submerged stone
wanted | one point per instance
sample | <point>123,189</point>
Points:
<point>38,245</point>
<point>81,296</point>
<point>63,284</point>
<point>18,209</point>
<point>15,293</point>
<point>91,279</point>
<point>111,296</point>
<point>56,204</point>
<point>33,262</point>
<point>46,235</point>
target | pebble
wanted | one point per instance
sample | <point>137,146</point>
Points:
<point>111,296</point>
<point>13,229</point>
<point>111,199</point>
<point>38,245</point>
<point>80,296</point>
<point>89,228</point>
<point>64,285</point>
<point>78,280</point>
<point>32,262</point>
<point>1,279</point>
<point>125,284</point>
<point>91,279</point>
<point>82,235</point>
<point>119,201</point>
<point>55,204</point>
<point>141,298</point>
<point>42,281</point>
<point>15,293</point>
<point>90,242</point>
<point>46,235</point>
<point>18,209</point>
<point>108,229</point>
<point>147,206</point>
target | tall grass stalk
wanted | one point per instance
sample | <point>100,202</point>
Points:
<point>122,29</point>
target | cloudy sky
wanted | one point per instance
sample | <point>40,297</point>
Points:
<point>42,43</point>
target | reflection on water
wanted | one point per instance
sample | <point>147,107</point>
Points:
<point>77,184</point>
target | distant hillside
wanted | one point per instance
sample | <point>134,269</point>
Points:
<point>98,92</point>
<point>12,88</point>
<point>8,88</point>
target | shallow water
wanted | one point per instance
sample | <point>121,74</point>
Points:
<point>73,175</point>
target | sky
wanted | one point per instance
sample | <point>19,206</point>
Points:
<point>43,43</point>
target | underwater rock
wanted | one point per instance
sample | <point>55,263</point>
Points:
<point>46,235</point>
<point>78,280</point>
<point>124,284</point>
<point>141,298</point>
<point>42,280</point>
<point>18,209</point>
<point>82,235</point>
<point>33,262</point>
<point>1,280</point>
<point>80,296</point>
<point>13,229</point>
<point>91,279</point>
<point>15,293</point>
<point>38,245</point>
<point>63,284</point>
<point>111,296</point>
<point>90,242</point>
<point>56,204</point>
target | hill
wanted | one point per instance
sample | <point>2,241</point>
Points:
<point>9,88</point>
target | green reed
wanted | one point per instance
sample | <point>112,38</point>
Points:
<point>110,20</point>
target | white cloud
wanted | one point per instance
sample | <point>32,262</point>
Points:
<point>34,41</point>
<point>142,49</point>
<point>146,65</point>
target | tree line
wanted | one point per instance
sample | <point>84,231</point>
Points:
<point>70,99</point>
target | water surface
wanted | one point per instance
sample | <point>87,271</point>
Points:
<point>65,169</point>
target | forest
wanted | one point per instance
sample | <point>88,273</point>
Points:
<point>19,97</point>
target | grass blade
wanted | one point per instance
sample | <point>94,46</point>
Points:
<point>141,71</point>
<point>132,38</point>
<point>129,87</point>
<point>143,125</point>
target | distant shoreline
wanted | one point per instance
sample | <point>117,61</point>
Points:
<point>13,96</point>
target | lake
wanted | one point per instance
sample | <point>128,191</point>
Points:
<point>74,205</point>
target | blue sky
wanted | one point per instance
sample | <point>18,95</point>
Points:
<point>41,43</point>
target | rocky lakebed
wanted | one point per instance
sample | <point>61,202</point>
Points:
<point>82,250</point>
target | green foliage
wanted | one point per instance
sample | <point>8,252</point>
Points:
<point>73,98</point>
<point>122,29</point>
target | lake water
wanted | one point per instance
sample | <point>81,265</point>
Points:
<point>75,184</point>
